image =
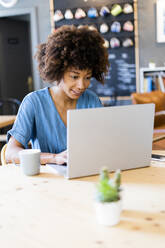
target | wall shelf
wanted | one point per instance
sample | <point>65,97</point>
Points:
<point>144,72</point>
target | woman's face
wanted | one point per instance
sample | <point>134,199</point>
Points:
<point>75,82</point>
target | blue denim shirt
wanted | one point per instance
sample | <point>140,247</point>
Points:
<point>38,121</point>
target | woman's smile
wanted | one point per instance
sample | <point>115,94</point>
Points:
<point>77,92</point>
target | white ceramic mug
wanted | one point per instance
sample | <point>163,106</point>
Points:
<point>30,161</point>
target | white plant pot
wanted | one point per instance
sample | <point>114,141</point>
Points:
<point>108,213</point>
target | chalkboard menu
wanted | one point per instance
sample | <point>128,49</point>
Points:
<point>121,77</point>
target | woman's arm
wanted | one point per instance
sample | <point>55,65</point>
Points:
<point>13,148</point>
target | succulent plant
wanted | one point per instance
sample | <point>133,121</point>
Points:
<point>108,189</point>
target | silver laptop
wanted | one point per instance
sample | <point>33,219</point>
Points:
<point>116,137</point>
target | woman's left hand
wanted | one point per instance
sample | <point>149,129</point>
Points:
<point>52,158</point>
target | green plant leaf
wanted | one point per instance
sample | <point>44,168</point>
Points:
<point>108,189</point>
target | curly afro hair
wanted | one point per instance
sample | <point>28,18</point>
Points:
<point>72,47</point>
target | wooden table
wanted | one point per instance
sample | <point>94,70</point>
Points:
<point>159,144</point>
<point>6,120</point>
<point>48,211</point>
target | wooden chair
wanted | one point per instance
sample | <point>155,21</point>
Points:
<point>158,98</point>
<point>3,150</point>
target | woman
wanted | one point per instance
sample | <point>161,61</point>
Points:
<point>68,60</point>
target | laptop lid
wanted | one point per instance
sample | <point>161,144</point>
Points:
<point>117,137</point>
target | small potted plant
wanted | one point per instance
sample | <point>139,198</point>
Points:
<point>108,198</point>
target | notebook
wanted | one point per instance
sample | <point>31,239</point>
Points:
<point>118,137</point>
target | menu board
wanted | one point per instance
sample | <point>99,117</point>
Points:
<point>121,77</point>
